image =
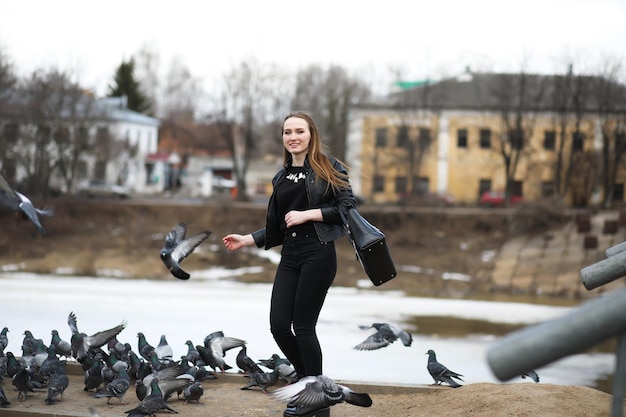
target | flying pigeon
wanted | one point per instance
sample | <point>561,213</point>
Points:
<point>21,204</point>
<point>532,375</point>
<point>177,248</point>
<point>385,335</point>
<point>82,343</point>
<point>215,347</point>
<point>314,393</point>
<point>440,373</point>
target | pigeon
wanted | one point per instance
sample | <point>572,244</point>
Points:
<point>4,338</point>
<point>193,392</point>
<point>286,371</point>
<point>82,343</point>
<point>23,383</point>
<point>245,362</point>
<point>317,393</point>
<point>152,403</point>
<point>4,401</point>
<point>13,364</point>
<point>163,350</point>
<point>61,347</point>
<point>532,375</point>
<point>215,347</point>
<point>93,375</point>
<point>143,346</point>
<point>116,388</point>
<point>177,248</point>
<point>21,204</point>
<point>385,335</point>
<point>440,373</point>
<point>57,383</point>
<point>261,379</point>
<point>193,355</point>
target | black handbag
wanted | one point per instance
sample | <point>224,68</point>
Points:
<point>370,247</point>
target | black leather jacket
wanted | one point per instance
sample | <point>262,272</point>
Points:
<point>319,197</point>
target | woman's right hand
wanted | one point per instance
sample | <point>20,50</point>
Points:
<point>236,241</point>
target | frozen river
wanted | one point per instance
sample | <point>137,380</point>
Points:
<point>183,310</point>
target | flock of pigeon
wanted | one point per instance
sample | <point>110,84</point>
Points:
<point>111,367</point>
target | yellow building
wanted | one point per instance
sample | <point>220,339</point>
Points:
<point>459,137</point>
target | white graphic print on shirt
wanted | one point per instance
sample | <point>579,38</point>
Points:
<point>295,177</point>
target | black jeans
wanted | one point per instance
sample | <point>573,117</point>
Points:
<point>306,270</point>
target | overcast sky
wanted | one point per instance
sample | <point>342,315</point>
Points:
<point>422,38</point>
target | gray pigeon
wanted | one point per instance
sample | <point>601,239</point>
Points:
<point>61,347</point>
<point>116,388</point>
<point>152,403</point>
<point>313,393</point>
<point>82,343</point>
<point>23,383</point>
<point>21,204</point>
<point>163,350</point>
<point>57,383</point>
<point>193,392</point>
<point>532,375</point>
<point>4,338</point>
<point>215,347</point>
<point>261,379</point>
<point>285,369</point>
<point>440,373</point>
<point>177,248</point>
<point>245,362</point>
<point>385,335</point>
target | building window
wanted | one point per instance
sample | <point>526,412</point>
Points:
<point>549,140</point>
<point>100,171</point>
<point>403,136</point>
<point>379,184</point>
<point>461,138</point>
<point>517,188</point>
<point>381,137</point>
<point>420,185</point>
<point>578,140</point>
<point>485,138</point>
<point>401,184</point>
<point>548,189</point>
<point>424,138</point>
<point>483,186</point>
<point>618,192</point>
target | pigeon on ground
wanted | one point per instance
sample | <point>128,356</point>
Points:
<point>318,392</point>
<point>440,373</point>
<point>23,383</point>
<point>143,346</point>
<point>116,388</point>
<point>193,392</point>
<point>385,335</point>
<point>261,379</point>
<point>532,375</point>
<point>61,347</point>
<point>21,204</point>
<point>13,364</point>
<point>215,347</point>
<point>82,343</point>
<point>177,248</point>
<point>163,350</point>
<point>193,355</point>
<point>152,403</point>
<point>57,383</point>
<point>285,369</point>
<point>245,362</point>
<point>4,402</point>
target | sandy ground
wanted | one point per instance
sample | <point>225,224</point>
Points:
<point>223,397</point>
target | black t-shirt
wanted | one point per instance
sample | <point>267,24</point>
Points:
<point>291,195</point>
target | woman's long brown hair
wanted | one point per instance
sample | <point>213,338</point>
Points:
<point>317,158</point>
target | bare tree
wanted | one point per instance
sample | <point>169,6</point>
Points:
<point>147,66</point>
<point>610,98</point>
<point>252,97</point>
<point>517,99</point>
<point>328,94</point>
<point>8,81</point>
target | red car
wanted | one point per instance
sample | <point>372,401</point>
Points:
<point>496,199</point>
